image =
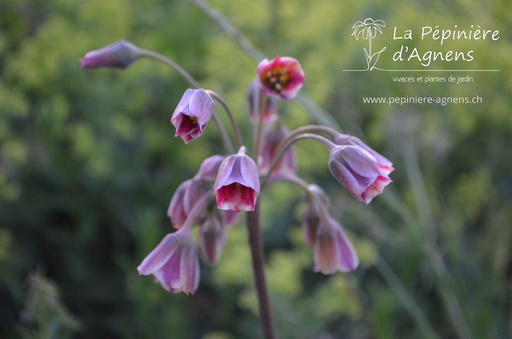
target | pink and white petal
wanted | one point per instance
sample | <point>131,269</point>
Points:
<point>375,189</point>
<point>160,255</point>
<point>228,197</point>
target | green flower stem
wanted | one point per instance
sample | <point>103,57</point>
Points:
<point>304,186</point>
<point>194,84</point>
<point>180,70</point>
<point>231,117</point>
<point>258,262</point>
<point>315,128</point>
<point>287,142</point>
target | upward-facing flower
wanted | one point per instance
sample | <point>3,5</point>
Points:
<point>237,185</point>
<point>174,263</point>
<point>192,114</point>
<point>358,172</point>
<point>120,54</point>
<point>281,77</point>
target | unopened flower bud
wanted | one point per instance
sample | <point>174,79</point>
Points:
<point>120,54</point>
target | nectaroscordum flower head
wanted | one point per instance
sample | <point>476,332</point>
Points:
<point>333,251</point>
<point>280,77</point>
<point>174,263</point>
<point>192,114</point>
<point>358,172</point>
<point>120,54</point>
<point>237,185</point>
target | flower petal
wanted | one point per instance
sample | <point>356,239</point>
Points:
<point>160,255</point>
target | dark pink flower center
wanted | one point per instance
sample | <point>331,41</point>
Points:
<point>187,125</point>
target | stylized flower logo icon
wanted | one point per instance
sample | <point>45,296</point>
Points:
<point>368,29</point>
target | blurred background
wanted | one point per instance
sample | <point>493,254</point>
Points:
<point>89,163</point>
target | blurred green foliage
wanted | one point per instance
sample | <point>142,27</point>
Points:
<point>88,164</point>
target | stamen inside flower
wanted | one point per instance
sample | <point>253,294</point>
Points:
<point>277,79</point>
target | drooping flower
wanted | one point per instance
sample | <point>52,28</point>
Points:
<point>281,77</point>
<point>333,251</point>
<point>273,132</point>
<point>257,104</point>
<point>367,28</point>
<point>185,198</point>
<point>174,263</point>
<point>176,211</point>
<point>358,172</point>
<point>212,237</point>
<point>192,114</point>
<point>119,54</point>
<point>237,185</point>
<point>316,209</point>
<point>383,162</point>
<point>209,168</point>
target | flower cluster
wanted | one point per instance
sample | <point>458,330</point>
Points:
<point>226,185</point>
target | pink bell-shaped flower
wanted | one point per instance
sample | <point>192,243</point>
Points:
<point>358,172</point>
<point>209,168</point>
<point>237,185</point>
<point>315,210</point>
<point>212,237</point>
<point>273,132</point>
<point>333,251</point>
<point>185,197</point>
<point>174,263</point>
<point>192,114</point>
<point>383,162</point>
